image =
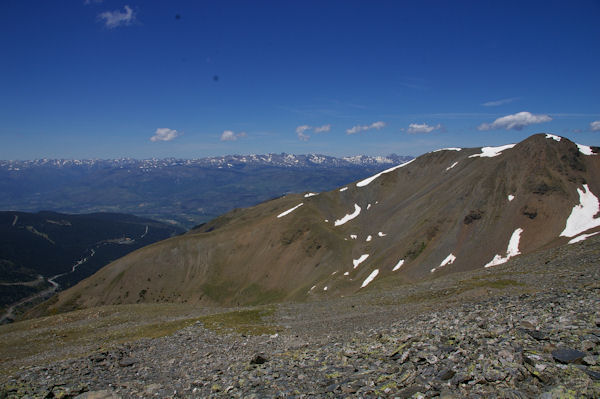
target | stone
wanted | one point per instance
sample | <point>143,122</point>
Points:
<point>446,374</point>
<point>539,335</point>
<point>567,356</point>
<point>594,375</point>
<point>258,358</point>
<point>127,362</point>
<point>589,361</point>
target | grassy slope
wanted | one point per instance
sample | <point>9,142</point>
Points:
<point>251,256</point>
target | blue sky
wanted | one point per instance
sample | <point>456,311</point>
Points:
<point>131,78</point>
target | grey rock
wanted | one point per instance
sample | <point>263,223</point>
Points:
<point>567,355</point>
<point>446,374</point>
<point>127,362</point>
<point>258,358</point>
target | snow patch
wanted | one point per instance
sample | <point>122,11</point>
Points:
<point>582,216</point>
<point>447,261</point>
<point>353,236</point>
<point>553,137</point>
<point>511,197</point>
<point>511,250</point>
<point>369,238</point>
<point>290,210</point>
<point>325,288</point>
<point>348,217</point>
<point>490,152</point>
<point>585,150</point>
<point>368,207</point>
<point>310,195</point>
<point>343,189</point>
<point>313,287</point>
<point>368,180</point>
<point>582,237</point>
<point>448,149</point>
<point>380,234</point>
<point>451,166</point>
<point>373,274</point>
<point>398,265</point>
<point>360,260</point>
<point>346,273</point>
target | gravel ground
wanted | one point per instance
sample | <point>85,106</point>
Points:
<point>529,329</point>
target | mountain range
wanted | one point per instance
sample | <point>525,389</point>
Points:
<point>447,211</point>
<point>186,192</point>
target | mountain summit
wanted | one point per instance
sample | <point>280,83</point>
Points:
<point>446,211</point>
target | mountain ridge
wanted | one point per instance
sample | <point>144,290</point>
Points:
<point>445,211</point>
<point>272,159</point>
<point>184,192</point>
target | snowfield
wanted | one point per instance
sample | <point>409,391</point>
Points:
<point>368,180</point>
<point>348,217</point>
<point>582,217</point>
<point>582,237</point>
<point>447,261</point>
<point>282,214</point>
<point>585,150</point>
<point>398,265</point>
<point>373,274</point>
<point>490,152</point>
<point>360,260</point>
<point>451,166</point>
<point>512,250</point>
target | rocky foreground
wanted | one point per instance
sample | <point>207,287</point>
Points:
<point>529,329</point>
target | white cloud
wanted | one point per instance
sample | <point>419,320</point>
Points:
<point>229,135</point>
<point>422,128</point>
<point>515,121</point>
<point>322,129</point>
<point>114,19</point>
<point>499,102</point>
<point>359,128</point>
<point>164,134</point>
<point>595,126</point>
<point>300,132</point>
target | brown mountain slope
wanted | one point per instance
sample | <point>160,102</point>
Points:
<point>445,211</point>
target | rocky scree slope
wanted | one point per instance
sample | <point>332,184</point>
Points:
<point>446,211</point>
<point>529,328</point>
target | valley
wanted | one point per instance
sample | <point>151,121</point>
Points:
<point>184,192</point>
<point>45,252</point>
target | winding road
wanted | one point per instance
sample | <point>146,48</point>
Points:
<point>9,314</point>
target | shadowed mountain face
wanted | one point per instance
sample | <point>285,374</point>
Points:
<point>446,211</point>
<point>38,247</point>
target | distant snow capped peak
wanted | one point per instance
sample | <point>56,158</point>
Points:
<point>226,161</point>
